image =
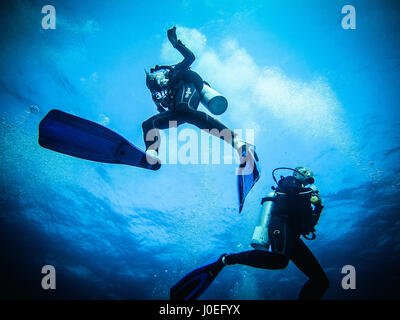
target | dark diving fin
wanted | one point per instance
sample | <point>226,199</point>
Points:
<point>81,138</point>
<point>247,176</point>
<point>196,282</point>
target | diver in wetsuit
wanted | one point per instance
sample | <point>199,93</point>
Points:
<point>289,212</point>
<point>176,92</point>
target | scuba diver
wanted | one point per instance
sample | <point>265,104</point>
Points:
<point>290,211</point>
<point>177,91</point>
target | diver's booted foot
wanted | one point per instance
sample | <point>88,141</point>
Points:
<point>221,260</point>
<point>153,154</point>
<point>226,257</point>
<point>217,266</point>
<point>245,150</point>
<point>249,161</point>
<point>153,159</point>
<point>248,172</point>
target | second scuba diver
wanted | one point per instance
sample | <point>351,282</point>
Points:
<point>176,90</point>
<point>291,211</point>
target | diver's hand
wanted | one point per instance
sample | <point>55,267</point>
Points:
<point>171,33</point>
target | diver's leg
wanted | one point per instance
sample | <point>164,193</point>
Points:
<point>205,122</point>
<point>247,155</point>
<point>147,127</point>
<point>279,235</point>
<point>258,259</point>
<point>304,259</point>
<point>151,127</point>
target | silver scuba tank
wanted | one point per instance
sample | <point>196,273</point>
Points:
<point>260,240</point>
<point>213,100</point>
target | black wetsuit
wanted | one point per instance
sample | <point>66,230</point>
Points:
<point>181,101</point>
<point>284,234</point>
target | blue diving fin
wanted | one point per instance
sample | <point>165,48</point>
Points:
<point>196,282</point>
<point>247,176</point>
<point>81,138</point>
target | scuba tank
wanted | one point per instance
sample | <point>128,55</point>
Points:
<point>213,100</point>
<point>260,240</point>
<point>286,187</point>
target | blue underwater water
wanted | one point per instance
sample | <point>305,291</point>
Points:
<point>314,93</point>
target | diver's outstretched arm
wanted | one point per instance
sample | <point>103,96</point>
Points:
<point>178,45</point>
